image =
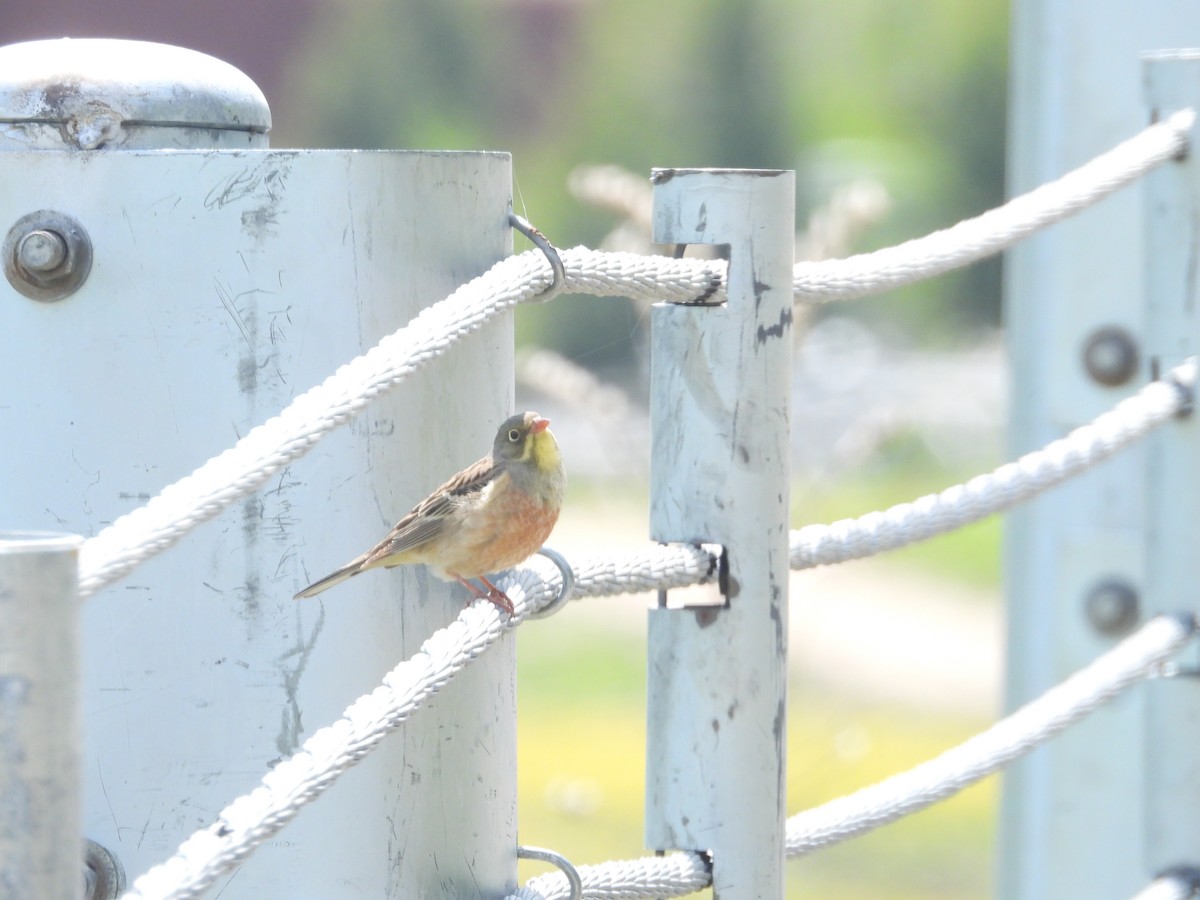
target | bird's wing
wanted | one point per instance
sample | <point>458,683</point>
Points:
<point>428,519</point>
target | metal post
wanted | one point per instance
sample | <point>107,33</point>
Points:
<point>1071,822</point>
<point>225,278</point>
<point>1172,836</point>
<point>720,403</point>
<point>41,854</point>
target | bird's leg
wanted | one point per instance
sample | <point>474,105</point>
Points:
<point>498,596</point>
<point>492,595</point>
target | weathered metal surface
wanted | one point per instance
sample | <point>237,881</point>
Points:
<point>720,401</point>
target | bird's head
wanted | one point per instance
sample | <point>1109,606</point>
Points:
<point>526,438</point>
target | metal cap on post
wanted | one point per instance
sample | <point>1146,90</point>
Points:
<point>40,850</point>
<point>91,94</point>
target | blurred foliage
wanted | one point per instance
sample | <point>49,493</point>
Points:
<point>912,94</point>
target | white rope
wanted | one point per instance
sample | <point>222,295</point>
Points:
<point>1171,887</point>
<point>1012,483</point>
<point>673,875</point>
<point>1135,658</point>
<point>297,781</point>
<point>996,230</point>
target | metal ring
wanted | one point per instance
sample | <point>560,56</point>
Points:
<point>542,243</point>
<point>564,592</point>
<point>558,860</point>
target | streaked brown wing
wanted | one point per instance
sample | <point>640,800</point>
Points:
<point>427,520</point>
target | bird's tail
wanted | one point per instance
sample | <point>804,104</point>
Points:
<point>349,570</point>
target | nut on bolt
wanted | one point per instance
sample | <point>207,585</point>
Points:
<point>1110,355</point>
<point>1112,606</point>
<point>47,255</point>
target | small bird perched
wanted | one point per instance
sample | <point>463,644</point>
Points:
<point>492,515</point>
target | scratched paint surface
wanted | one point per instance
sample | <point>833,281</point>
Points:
<point>225,283</point>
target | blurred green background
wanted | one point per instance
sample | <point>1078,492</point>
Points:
<point>910,95</point>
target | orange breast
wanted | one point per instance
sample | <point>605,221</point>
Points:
<point>506,531</point>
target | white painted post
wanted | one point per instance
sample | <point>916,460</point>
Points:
<point>1172,732</point>
<point>41,854</point>
<point>225,279</point>
<point>1073,811</point>
<point>720,404</point>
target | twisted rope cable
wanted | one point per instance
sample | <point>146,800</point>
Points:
<point>1172,886</point>
<point>1137,657</point>
<point>652,877</point>
<point>1010,484</point>
<point>974,239</point>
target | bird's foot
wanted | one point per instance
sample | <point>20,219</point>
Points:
<point>493,594</point>
<point>497,596</point>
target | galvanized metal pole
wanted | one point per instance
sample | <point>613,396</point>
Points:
<point>1072,812</point>
<point>1172,826</point>
<point>41,854</point>
<point>720,404</point>
<point>225,278</point>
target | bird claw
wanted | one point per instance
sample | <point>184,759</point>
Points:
<point>500,599</point>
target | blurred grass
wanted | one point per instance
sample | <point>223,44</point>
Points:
<point>581,712</point>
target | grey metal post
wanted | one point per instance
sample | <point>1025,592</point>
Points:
<point>720,403</point>
<point>224,279</point>
<point>1172,734</point>
<point>41,854</point>
<point>1072,812</point>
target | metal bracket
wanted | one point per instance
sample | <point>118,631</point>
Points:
<point>565,589</point>
<point>560,862</point>
<point>548,250</point>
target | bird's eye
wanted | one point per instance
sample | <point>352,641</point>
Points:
<point>514,435</point>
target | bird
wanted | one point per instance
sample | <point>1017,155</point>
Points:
<point>493,514</point>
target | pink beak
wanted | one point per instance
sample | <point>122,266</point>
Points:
<point>539,425</point>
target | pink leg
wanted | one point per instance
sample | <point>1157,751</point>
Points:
<point>498,596</point>
<point>492,595</point>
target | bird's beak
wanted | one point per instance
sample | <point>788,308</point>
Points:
<point>539,425</point>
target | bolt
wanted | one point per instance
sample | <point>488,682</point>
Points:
<point>42,251</point>
<point>46,255</point>
<point>1112,606</point>
<point>1110,355</point>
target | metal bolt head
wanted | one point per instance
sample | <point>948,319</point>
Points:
<point>41,251</point>
<point>1110,356</point>
<point>1112,606</point>
<point>47,255</point>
